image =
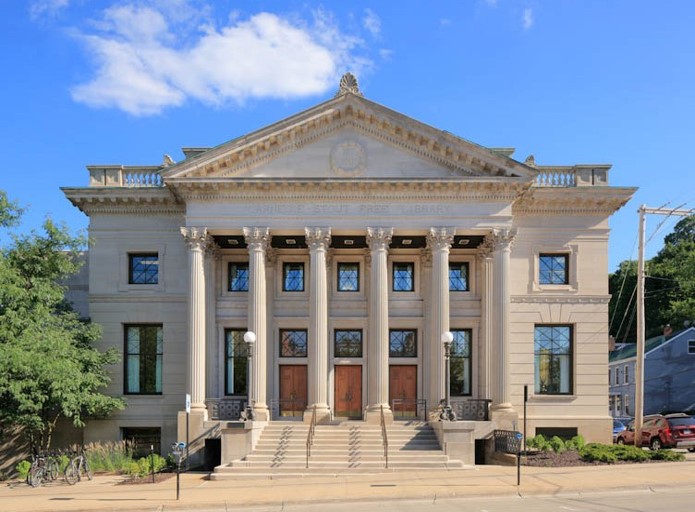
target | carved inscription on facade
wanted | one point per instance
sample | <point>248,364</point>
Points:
<point>338,209</point>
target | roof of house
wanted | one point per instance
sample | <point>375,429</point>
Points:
<point>629,350</point>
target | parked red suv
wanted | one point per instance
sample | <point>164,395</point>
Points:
<point>659,431</point>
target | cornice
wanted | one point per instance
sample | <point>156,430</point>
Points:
<point>124,200</point>
<point>560,299</point>
<point>573,200</point>
<point>461,157</point>
<point>137,298</point>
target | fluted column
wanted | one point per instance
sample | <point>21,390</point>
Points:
<point>257,240</point>
<point>487,328</point>
<point>439,242</point>
<point>212,350</point>
<point>501,240</point>
<point>378,240</point>
<point>196,238</point>
<point>318,239</point>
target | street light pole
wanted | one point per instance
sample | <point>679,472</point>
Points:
<point>447,338</point>
<point>250,339</point>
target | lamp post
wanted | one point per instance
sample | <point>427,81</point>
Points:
<point>447,338</point>
<point>250,339</point>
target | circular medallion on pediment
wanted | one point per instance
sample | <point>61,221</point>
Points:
<point>348,158</point>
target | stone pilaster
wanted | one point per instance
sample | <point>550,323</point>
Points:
<point>197,239</point>
<point>212,350</point>
<point>258,241</point>
<point>487,327</point>
<point>500,241</point>
<point>318,239</point>
<point>378,240</point>
<point>439,242</point>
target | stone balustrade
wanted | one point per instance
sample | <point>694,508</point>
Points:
<point>576,176</point>
<point>124,176</point>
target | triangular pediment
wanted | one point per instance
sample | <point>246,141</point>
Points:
<point>347,137</point>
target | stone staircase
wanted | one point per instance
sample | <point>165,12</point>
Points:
<point>342,447</point>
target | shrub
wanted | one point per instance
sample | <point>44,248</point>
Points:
<point>630,453</point>
<point>143,467</point>
<point>23,468</point>
<point>598,452</point>
<point>576,443</point>
<point>108,457</point>
<point>557,444</point>
<point>539,443</point>
<point>667,455</point>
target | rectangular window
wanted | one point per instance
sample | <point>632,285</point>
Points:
<point>458,277</point>
<point>403,277</point>
<point>143,268</point>
<point>460,363</point>
<point>348,343</point>
<point>691,346</point>
<point>617,375</point>
<point>627,405</point>
<point>626,375</point>
<point>553,269</point>
<point>348,277</point>
<point>293,277</point>
<point>238,277</point>
<point>609,377</point>
<point>402,343</point>
<point>553,359</point>
<point>293,343</point>
<point>619,405</point>
<point>143,361</point>
<point>236,362</point>
<point>138,440</point>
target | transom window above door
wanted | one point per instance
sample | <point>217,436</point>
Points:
<point>293,343</point>
<point>403,343</point>
<point>293,277</point>
<point>403,276</point>
<point>348,277</point>
<point>348,343</point>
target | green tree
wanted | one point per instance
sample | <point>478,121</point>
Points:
<point>669,287</point>
<point>50,368</point>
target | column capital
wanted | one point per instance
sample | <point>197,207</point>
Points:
<point>499,239</point>
<point>379,238</point>
<point>317,238</point>
<point>440,238</point>
<point>257,236</point>
<point>196,237</point>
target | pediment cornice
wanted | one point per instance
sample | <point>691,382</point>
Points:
<point>150,201</point>
<point>462,158</point>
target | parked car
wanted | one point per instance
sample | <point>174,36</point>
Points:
<point>658,431</point>
<point>618,427</point>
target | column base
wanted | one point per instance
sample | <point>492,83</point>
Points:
<point>373,414</point>
<point>323,413</point>
<point>261,412</point>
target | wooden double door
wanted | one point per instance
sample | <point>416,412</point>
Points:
<point>403,390</point>
<point>293,390</point>
<point>348,391</point>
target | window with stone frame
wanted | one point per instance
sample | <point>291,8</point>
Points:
<point>348,343</point>
<point>293,276</point>
<point>293,343</point>
<point>143,268</point>
<point>144,349</point>
<point>238,275</point>
<point>236,362</point>
<point>403,276</point>
<point>458,277</point>
<point>553,359</point>
<point>460,363</point>
<point>402,343</point>
<point>553,269</point>
<point>348,277</point>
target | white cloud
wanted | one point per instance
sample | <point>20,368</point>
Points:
<point>385,53</point>
<point>144,65</point>
<point>372,22</point>
<point>527,18</point>
<point>491,3</point>
<point>40,8</point>
<point>444,22</point>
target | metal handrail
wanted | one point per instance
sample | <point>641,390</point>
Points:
<point>384,437</point>
<point>310,436</point>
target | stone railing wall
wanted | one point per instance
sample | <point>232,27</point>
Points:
<point>577,176</point>
<point>121,176</point>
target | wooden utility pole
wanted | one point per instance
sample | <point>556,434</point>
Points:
<point>639,363</point>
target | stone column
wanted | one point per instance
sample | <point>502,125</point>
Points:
<point>212,350</point>
<point>501,242</point>
<point>258,240</point>
<point>378,240</point>
<point>197,239</point>
<point>487,330</point>
<point>439,242</point>
<point>318,239</point>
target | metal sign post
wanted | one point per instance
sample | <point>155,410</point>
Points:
<point>188,416</point>
<point>525,400</point>
<point>518,458</point>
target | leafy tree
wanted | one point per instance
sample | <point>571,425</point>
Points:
<point>49,366</point>
<point>669,287</point>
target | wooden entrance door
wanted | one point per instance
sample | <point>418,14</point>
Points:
<point>403,389</point>
<point>348,391</point>
<point>293,391</point>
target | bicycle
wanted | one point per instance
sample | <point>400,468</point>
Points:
<point>37,471</point>
<point>52,465</point>
<point>446,413</point>
<point>76,467</point>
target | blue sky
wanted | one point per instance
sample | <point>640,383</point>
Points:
<point>569,81</point>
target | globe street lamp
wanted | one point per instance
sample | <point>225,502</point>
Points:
<point>447,338</point>
<point>250,339</point>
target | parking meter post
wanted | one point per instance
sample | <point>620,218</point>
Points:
<point>187,424</point>
<point>178,479</point>
<point>518,458</point>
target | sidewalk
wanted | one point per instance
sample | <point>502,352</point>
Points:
<point>104,493</point>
